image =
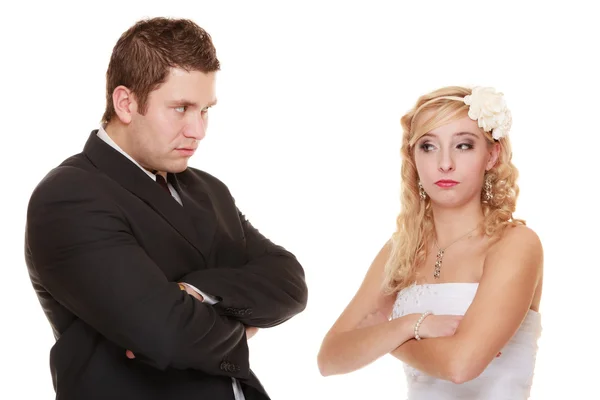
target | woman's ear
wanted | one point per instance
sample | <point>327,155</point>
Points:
<point>494,154</point>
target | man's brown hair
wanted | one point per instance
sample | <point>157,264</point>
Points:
<point>145,53</point>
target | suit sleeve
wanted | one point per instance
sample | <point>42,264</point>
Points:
<point>267,290</point>
<point>88,260</point>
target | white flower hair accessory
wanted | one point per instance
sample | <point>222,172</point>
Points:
<point>488,108</point>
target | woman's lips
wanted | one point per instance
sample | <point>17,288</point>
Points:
<point>446,183</point>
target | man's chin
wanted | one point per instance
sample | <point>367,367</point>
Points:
<point>177,168</point>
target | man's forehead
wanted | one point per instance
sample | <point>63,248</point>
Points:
<point>192,87</point>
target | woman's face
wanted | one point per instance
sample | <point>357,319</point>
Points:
<point>451,161</point>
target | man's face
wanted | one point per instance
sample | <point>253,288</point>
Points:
<point>176,118</point>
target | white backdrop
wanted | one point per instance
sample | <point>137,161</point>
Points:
<point>306,135</point>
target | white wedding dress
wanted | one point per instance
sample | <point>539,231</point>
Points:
<point>506,377</point>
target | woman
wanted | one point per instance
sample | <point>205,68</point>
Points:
<point>460,271</point>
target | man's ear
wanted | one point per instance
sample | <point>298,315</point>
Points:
<point>125,103</point>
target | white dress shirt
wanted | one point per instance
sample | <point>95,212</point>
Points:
<point>237,389</point>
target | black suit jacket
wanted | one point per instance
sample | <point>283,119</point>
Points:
<point>105,247</point>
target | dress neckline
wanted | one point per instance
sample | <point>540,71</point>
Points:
<point>415,285</point>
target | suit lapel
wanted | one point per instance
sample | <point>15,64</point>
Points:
<point>198,208</point>
<point>196,226</point>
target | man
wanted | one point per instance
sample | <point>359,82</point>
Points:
<point>150,276</point>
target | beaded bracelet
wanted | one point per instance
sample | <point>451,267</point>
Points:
<point>419,322</point>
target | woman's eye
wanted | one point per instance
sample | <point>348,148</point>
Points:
<point>427,147</point>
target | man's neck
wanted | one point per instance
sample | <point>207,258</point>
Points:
<point>117,134</point>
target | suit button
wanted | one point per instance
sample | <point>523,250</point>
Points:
<point>224,366</point>
<point>229,367</point>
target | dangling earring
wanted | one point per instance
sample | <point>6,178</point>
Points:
<point>422,192</point>
<point>487,187</point>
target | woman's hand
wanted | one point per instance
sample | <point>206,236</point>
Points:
<point>439,325</point>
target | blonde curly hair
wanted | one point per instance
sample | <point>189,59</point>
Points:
<point>414,225</point>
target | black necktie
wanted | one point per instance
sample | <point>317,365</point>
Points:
<point>163,183</point>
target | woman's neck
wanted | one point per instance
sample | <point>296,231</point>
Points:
<point>451,223</point>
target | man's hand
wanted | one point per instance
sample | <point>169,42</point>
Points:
<point>250,331</point>
<point>189,291</point>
